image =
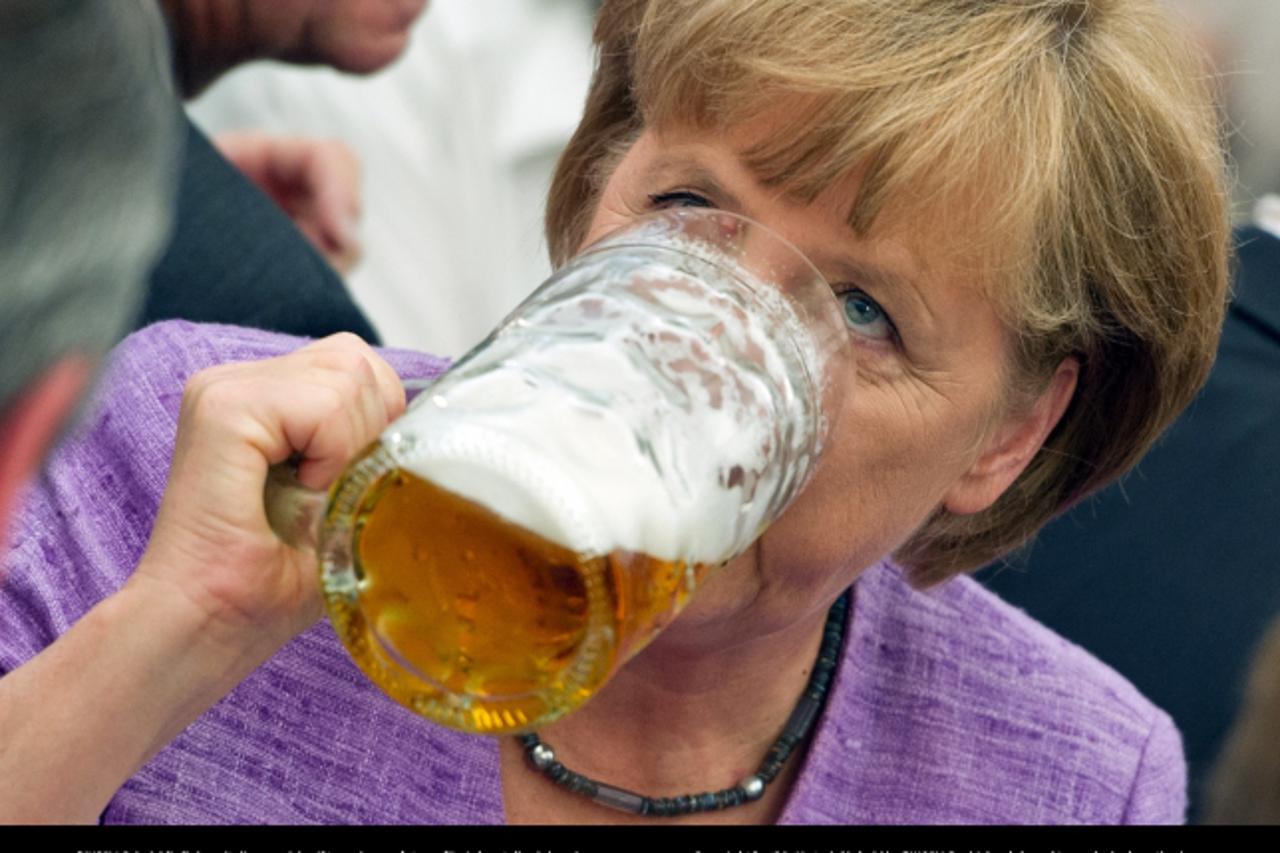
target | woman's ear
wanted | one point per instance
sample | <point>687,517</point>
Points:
<point>1013,445</point>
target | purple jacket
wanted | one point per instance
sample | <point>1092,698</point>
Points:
<point>949,706</point>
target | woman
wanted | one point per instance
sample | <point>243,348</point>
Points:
<point>1022,205</point>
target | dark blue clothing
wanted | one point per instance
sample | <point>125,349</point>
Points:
<point>236,258</point>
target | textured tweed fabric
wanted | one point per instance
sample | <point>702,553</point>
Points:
<point>948,707</point>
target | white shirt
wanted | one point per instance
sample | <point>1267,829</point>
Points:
<point>457,141</point>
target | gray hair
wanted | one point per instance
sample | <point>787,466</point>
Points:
<point>88,134</point>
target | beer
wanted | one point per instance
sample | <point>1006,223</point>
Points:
<point>545,507</point>
<point>454,600</point>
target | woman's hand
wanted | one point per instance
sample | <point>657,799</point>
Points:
<point>315,181</point>
<point>215,594</point>
<point>211,543</point>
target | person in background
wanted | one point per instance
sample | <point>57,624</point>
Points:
<point>264,224</point>
<point>87,165</point>
<point>457,142</point>
<point>356,36</point>
<point>88,156</point>
<point>315,181</point>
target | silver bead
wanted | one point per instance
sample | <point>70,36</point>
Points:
<point>542,756</point>
<point>752,787</point>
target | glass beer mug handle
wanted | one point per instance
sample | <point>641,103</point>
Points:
<point>293,510</point>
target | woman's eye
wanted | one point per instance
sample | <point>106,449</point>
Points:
<point>865,316</point>
<point>679,198</point>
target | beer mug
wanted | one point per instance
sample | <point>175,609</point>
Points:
<point>544,508</point>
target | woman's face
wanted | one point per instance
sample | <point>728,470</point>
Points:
<point>923,426</point>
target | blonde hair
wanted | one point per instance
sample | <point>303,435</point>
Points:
<point>1075,138</point>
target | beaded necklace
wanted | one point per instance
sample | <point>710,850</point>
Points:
<point>543,757</point>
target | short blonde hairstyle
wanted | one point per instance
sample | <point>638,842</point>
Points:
<point>1077,139</point>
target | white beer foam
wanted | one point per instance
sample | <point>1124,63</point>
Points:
<point>566,438</point>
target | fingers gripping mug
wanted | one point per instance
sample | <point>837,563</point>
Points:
<point>549,504</point>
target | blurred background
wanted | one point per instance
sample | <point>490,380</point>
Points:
<point>456,141</point>
<point>1242,39</point>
